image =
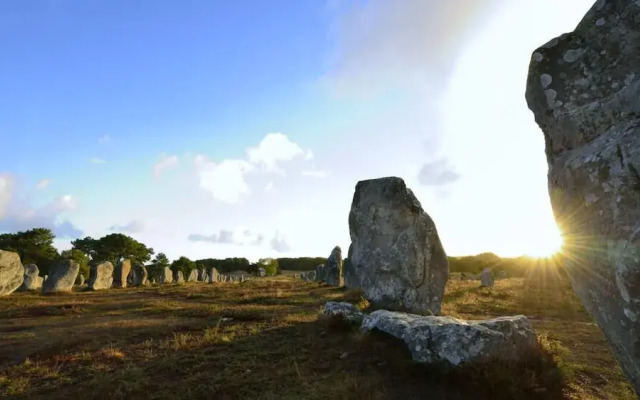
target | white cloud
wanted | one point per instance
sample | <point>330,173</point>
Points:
<point>314,173</point>
<point>96,160</point>
<point>104,139</point>
<point>16,214</point>
<point>275,147</point>
<point>270,186</point>
<point>239,236</point>
<point>279,244</point>
<point>165,163</point>
<point>43,183</point>
<point>135,226</point>
<point>225,180</point>
<point>437,173</point>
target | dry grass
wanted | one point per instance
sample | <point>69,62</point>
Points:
<point>263,339</point>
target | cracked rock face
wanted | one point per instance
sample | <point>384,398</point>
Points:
<point>451,342</point>
<point>11,272</point>
<point>61,277</point>
<point>395,256</point>
<point>101,275</point>
<point>584,90</point>
<point>31,279</point>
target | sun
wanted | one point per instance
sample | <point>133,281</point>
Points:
<point>546,245</point>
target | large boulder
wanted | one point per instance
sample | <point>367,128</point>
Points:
<point>193,276</point>
<point>486,278</point>
<point>62,276</point>
<point>121,272</point>
<point>214,275</point>
<point>452,342</point>
<point>584,90</point>
<point>31,280</point>
<point>11,272</point>
<point>100,275</point>
<point>140,275</point>
<point>166,275</point>
<point>395,256</point>
<point>333,268</point>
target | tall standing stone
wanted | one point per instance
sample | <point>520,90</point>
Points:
<point>584,90</point>
<point>31,280</point>
<point>11,272</point>
<point>193,276</point>
<point>100,275</point>
<point>486,278</point>
<point>395,256</point>
<point>121,273</point>
<point>62,276</point>
<point>178,277</point>
<point>319,277</point>
<point>333,268</point>
<point>214,275</point>
<point>80,280</point>
<point>166,276</point>
<point>140,275</point>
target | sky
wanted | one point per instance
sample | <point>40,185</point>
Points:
<point>240,129</point>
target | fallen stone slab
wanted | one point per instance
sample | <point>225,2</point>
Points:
<point>346,311</point>
<point>453,342</point>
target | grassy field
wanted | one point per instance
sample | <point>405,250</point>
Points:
<point>266,339</point>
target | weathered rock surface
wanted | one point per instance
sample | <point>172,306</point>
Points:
<point>193,276</point>
<point>140,275</point>
<point>11,272</point>
<point>333,268</point>
<point>395,256</point>
<point>486,278</point>
<point>345,310</point>
<point>61,278</point>
<point>308,276</point>
<point>214,275</point>
<point>100,276</point>
<point>121,272</point>
<point>584,90</point>
<point>166,276</point>
<point>178,277</point>
<point>31,280</point>
<point>320,273</point>
<point>452,342</point>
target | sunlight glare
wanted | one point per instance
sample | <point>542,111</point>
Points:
<point>546,245</point>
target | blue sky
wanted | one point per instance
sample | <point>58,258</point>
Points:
<point>240,128</point>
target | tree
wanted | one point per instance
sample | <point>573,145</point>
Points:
<point>114,247</point>
<point>34,246</point>
<point>270,265</point>
<point>183,264</point>
<point>80,258</point>
<point>158,264</point>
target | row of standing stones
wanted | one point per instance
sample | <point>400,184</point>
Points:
<point>584,91</point>
<point>103,275</point>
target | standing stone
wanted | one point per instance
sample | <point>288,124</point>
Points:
<point>193,276</point>
<point>319,277</point>
<point>140,275</point>
<point>31,280</point>
<point>486,278</point>
<point>395,256</point>
<point>214,275</point>
<point>11,272</point>
<point>178,277</point>
<point>584,90</point>
<point>62,276</point>
<point>80,280</point>
<point>131,277</point>
<point>202,275</point>
<point>121,273</point>
<point>100,275</point>
<point>166,276</point>
<point>261,272</point>
<point>308,276</point>
<point>333,268</point>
